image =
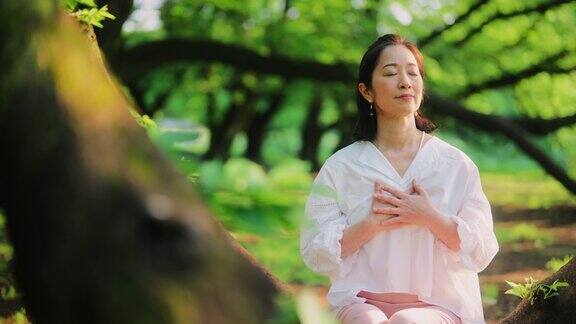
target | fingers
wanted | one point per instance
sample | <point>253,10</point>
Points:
<point>388,199</point>
<point>416,187</point>
<point>377,186</point>
<point>399,194</point>
<point>386,210</point>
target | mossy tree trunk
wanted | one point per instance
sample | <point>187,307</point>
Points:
<point>104,229</point>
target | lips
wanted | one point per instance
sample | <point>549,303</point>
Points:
<point>406,96</point>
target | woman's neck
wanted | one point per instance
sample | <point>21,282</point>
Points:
<point>397,134</point>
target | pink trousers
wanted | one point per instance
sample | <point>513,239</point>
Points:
<point>377,311</point>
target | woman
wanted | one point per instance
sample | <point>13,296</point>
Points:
<point>398,220</point>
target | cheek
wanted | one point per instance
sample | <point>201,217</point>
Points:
<point>419,87</point>
<point>383,85</point>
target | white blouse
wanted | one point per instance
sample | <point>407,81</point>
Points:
<point>408,259</point>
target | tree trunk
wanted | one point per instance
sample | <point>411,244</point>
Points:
<point>104,229</point>
<point>312,133</point>
<point>556,310</point>
<point>235,120</point>
<point>258,126</point>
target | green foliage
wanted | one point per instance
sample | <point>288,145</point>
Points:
<point>246,197</point>
<point>73,4</point>
<point>531,290</point>
<point>285,310</point>
<point>8,291</point>
<point>280,252</point>
<point>303,308</point>
<point>555,264</point>
<point>144,120</point>
<point>262,208</point>
<point>490,294</point>
<point>549,291</point>
<point>310,310</point>
<point>18,318</point>
<point>87,11</point>
<point>523,189</point>
<point>455,61</point>
<point>524,291</point>
<point>523,232</point>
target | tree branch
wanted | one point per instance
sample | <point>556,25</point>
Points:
<point>541,126</point>
<point>307,69</point>
<point>436,33</point>
<point>507,128</point>
<point>545,65</point>
<point>259,124</point>
<point>543,7</point>
<point>139,60</point>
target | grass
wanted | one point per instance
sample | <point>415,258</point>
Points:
<point>523,232</point>
<point>524,189</point>
<point>490,293</point>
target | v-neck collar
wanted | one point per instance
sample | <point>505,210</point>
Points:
<point>373,157</point>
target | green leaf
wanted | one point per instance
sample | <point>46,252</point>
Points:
<point>104,12</point>
<point>89,3</point>
<point>70,4</point>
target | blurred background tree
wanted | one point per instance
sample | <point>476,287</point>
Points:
<point>275,79</point>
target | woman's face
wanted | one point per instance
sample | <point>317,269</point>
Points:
<point>396,83</point>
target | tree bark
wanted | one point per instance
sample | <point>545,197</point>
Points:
<point>312,133</point>
<point>103,228</point>
<point>235,120</point>
<point>556,310</point>
<point>258,125</point>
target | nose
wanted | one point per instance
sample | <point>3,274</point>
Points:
<point>404,82</point>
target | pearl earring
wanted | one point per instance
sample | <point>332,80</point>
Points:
<point>371,110</point>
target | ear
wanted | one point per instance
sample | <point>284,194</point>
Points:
<point>365,92</point>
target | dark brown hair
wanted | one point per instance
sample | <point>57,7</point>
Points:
<point>366,125</point>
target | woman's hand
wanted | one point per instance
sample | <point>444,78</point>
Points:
<point>377,219</point>
<point>414,208</point>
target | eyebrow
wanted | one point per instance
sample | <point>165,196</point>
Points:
<point>396,64</point>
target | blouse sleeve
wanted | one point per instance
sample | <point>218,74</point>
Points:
<point>323,227</point>
<point>478,244</point>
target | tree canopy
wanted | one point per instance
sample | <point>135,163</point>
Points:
<point>504,68</point>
